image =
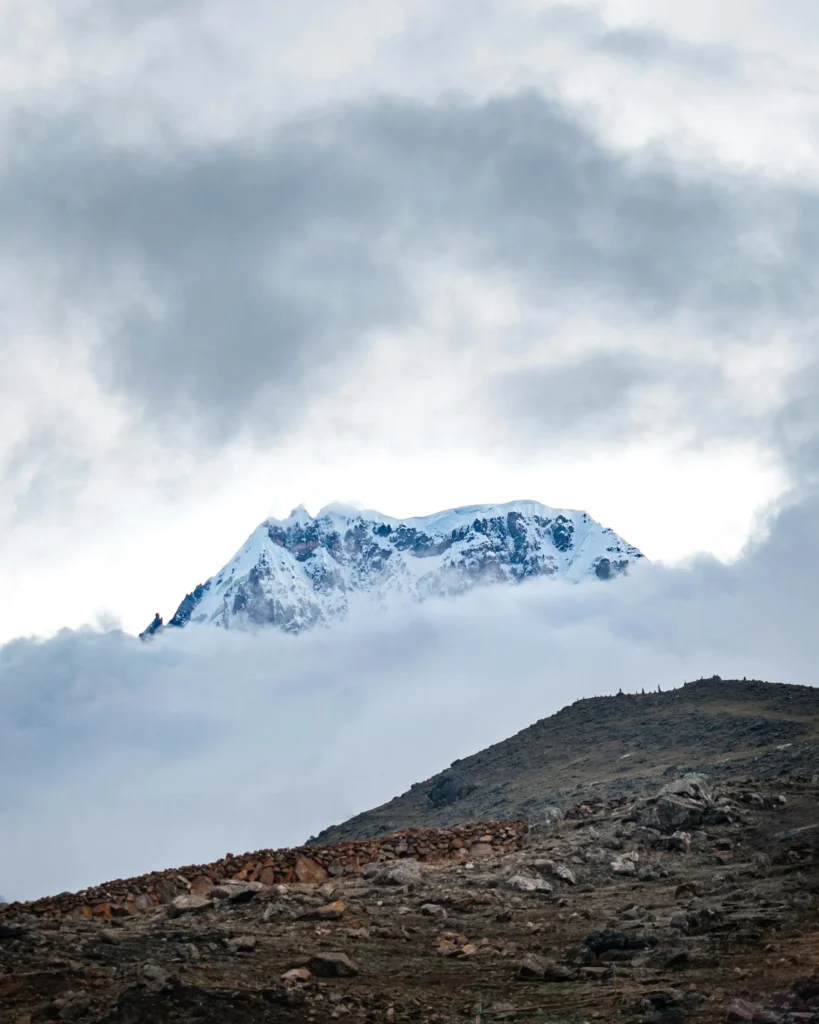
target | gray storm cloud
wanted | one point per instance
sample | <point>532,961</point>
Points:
<point>126,757</point>
<point>240,281</point>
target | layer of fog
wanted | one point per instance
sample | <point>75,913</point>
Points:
<point>119,757</point>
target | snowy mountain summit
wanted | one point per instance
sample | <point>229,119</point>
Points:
<point>302,571</point>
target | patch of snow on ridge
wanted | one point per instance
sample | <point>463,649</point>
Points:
<point>302,571</point>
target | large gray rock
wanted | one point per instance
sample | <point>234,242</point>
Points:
<point>526,883</point>
<point>682,804</point>
<point>532,969</point>
<point>236,892</point>
<point>626,864</point>
<point>556,870</point>
<point>692,787</point>
<point>402,872</point>
<point>182,905</point>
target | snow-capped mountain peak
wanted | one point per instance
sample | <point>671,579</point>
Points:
<point>305,570</point>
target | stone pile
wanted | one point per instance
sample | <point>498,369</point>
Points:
<point>309,864</point>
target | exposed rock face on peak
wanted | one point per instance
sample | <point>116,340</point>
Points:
<point>302,571</point>
<point>153,627</point>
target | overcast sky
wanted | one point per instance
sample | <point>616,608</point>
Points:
<point>404,253</point>
<point>407,254</point>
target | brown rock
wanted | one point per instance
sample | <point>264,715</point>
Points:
<point>309,871</point>
<point>331,911</point>
<point>297,974</point>
<point>201,886</point>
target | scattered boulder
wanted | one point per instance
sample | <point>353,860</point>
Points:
<point>683,803</point>
<point>625,864</point>
<point>531,969</point>
<point>235,891</point>
<point>296,974</point>
<point>402,872</point>
<point>565,874</point>
<point>527,883</point>
<point>693,786</point>
<point>241,944</point>
<point>550,867</point>
<point>557,972</point>
<point>552,815</point>
<point>188,905</point>
<point>153,977</point>
<point>330,911</point>
<point>679,842</point>
<point>333,965</point>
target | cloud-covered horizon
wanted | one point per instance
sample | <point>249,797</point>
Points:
<point>119,757</point>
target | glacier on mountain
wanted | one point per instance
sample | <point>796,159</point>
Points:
<point>303,571</point>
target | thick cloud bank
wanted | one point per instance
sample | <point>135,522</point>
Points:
<point>118,757</point>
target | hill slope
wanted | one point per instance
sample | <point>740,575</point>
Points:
<point>612,746</point>
<point>601,917</point>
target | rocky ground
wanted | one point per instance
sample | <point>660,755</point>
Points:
<point>692,904</point>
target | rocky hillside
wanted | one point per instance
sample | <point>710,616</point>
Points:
<point>696,904</point>
<point>301,571</point>
<point>614,746</point>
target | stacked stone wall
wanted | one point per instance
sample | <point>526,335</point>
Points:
<point>307,864</point>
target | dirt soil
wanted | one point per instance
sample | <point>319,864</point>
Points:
<point>685,908</point>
